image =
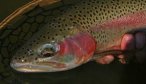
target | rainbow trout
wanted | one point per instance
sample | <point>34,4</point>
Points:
<point>73,35</point>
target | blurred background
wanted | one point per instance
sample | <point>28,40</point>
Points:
<point>8,6</point>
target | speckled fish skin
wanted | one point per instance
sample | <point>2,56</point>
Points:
<point>106,21</point>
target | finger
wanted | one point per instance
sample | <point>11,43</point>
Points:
<point>140,43</point>
<point>121,56</point>
<point>105,60</point>
<point>140,40</point>
<point>128,42</point>
<point>122,59</point>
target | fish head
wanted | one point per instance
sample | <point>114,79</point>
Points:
<point>58,53</point>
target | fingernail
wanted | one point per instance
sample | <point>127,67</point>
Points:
<point>122,61</point>
<point>121,56</point>
<point>140,40</point>
<point>127,42</point>
<point>108,59</point>
<point>105,60</point>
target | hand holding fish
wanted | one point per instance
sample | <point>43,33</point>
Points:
<point>84,32</point>
<point>129,42</point>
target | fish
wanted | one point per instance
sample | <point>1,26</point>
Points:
<point>73,35</point>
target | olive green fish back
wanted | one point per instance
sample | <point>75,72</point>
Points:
<point>84,15</point>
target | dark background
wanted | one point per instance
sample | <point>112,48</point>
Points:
<point>90,73</point>
<point>8,6</point>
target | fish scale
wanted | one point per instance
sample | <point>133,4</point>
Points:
<point>86,13</point>
<point>103,10</point>
<point>89,16</point>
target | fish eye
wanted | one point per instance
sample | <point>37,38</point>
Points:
<point>48,50</point>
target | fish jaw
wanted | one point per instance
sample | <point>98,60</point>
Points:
<point>73,51</point>
<point>42,66</point>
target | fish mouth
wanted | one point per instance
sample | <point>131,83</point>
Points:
<point>38,67</point>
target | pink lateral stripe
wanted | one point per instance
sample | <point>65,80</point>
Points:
<point>137,19</point>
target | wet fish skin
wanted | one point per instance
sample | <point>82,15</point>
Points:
<point>106,21</point>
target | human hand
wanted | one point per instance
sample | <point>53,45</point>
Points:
<point>135,41</point>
